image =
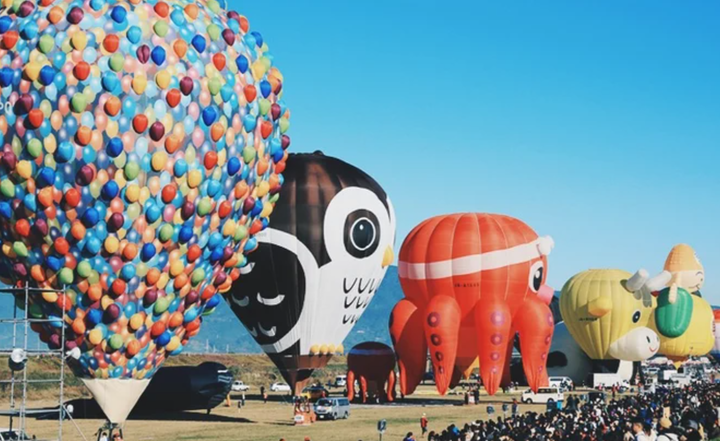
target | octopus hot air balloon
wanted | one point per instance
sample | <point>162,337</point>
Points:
<point>372,364</point>
<point>141,154</point>
<point>318,266</point>
<point>608,313</point>
<point>471,282</point>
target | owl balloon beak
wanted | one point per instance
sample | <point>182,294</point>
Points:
<point>388,257</point>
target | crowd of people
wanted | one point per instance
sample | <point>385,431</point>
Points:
<point>658,414</point>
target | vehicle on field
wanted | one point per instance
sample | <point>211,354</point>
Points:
<point>544,395</point>
<point>340,381</point>
<point>332,408</point>
<point>239,386</point>
<point>279,387</point>
<point>12,435</point>
<point>314,393</point>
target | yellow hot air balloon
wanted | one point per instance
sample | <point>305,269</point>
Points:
<point>475,365</point>
<point>697,340</point>
<point>607,312</point>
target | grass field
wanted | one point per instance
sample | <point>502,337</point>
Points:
<point>256,421</point>
<point>272,421</point>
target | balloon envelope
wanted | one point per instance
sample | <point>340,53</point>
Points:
<point>318,265</point>
<point>137,164</point>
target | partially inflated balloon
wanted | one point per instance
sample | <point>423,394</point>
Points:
<point>135,169</point>
<point>697,340</point>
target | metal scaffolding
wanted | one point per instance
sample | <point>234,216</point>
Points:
<point>20,411</point>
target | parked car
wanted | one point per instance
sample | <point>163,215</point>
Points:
<point>279,387</point>
<point>340,381</point>
<point>544,395</point>
<point>332,408</point>
<point>565,384</point>
<point>239,386</point>
<point>314,393</point>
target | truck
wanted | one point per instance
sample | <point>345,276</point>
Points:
<point>606,380</point>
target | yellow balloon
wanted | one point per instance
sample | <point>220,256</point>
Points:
<point>95,336</point>
<point>111,244</point>
<point>699,337</point>
<point>608,315</point>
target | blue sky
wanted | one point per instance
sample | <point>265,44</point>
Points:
<point>595,122</point>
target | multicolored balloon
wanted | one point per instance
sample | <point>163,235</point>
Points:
<point>142,150</point>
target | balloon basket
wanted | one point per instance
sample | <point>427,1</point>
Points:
<point>107,431</point>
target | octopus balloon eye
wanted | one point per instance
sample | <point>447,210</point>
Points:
<point>362,233</point>
<point>636,317</point>
<point>537,271</point>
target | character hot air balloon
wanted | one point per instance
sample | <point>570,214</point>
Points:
<point>140,157</point>
<point>683,318</point>
<point>608,313</point>
<point>372,364</point>
<point>471,282</point>
<point>675,302</point>
<point>318,266</point>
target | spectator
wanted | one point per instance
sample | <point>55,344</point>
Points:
<point>423,425</point>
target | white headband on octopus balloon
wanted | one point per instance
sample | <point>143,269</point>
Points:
<point>542,246</point>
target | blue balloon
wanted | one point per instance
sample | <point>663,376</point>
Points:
<point>114,147</point>
<point>94,316</point>
<point>242,63</point>
<point>147,252</point>
<point>110,190</point>
<point>47,75</point>
<point>199,43</point>
<point>158,55</point>
<point>90,217</point>
<point>118,14</point>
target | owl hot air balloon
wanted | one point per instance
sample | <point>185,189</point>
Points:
<point>608,312</point>
<point>140,154</point>
<point>471,282</point>
<point>318,266</point>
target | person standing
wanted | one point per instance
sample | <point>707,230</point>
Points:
<point>514,406</point>
<point>242,398</point>
<point>423,425</point>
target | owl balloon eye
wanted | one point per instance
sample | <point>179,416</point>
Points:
<point>362,233</point>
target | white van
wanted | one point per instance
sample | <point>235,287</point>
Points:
<point>562,383</point>
<point>544,395</point>
<point>332,408</point>
<point>341,381</point>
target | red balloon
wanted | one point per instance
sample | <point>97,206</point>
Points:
<point>471,283</point>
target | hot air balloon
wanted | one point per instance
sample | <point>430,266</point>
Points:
<point>697,340</point>
<point>683,319</point>
<point>318,266</point>
<point>372,364</point>
<point>471,282</point>
<point>608,313</point>
<point>141,155</point>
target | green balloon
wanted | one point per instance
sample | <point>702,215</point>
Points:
<point>34,147</point>
<point>264,106</point>
<point>241,232</point>
<point>213,30</point>
<point>84,269</point>
<point>214,86</point>
<point>161,28</point>
<point>284,125</point>
<point>116,341</point>
<point>20,249</point>
<point>204,207</point>
<point>161,305</point>
<point>116,62</point>
<point>35,311</point>
<point>66,276</point>
<point>166,233</point>
<point>248,154</point>
<point>131,170</point>
<point>197,276</point>
<point>7,188</point>
<point>46,43</point>
<point>78,102</point>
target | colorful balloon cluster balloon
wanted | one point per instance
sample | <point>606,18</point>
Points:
<point>142,149</point>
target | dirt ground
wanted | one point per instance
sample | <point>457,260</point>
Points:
<point>273,421</point>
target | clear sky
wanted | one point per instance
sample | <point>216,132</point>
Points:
<point>597,123</point>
